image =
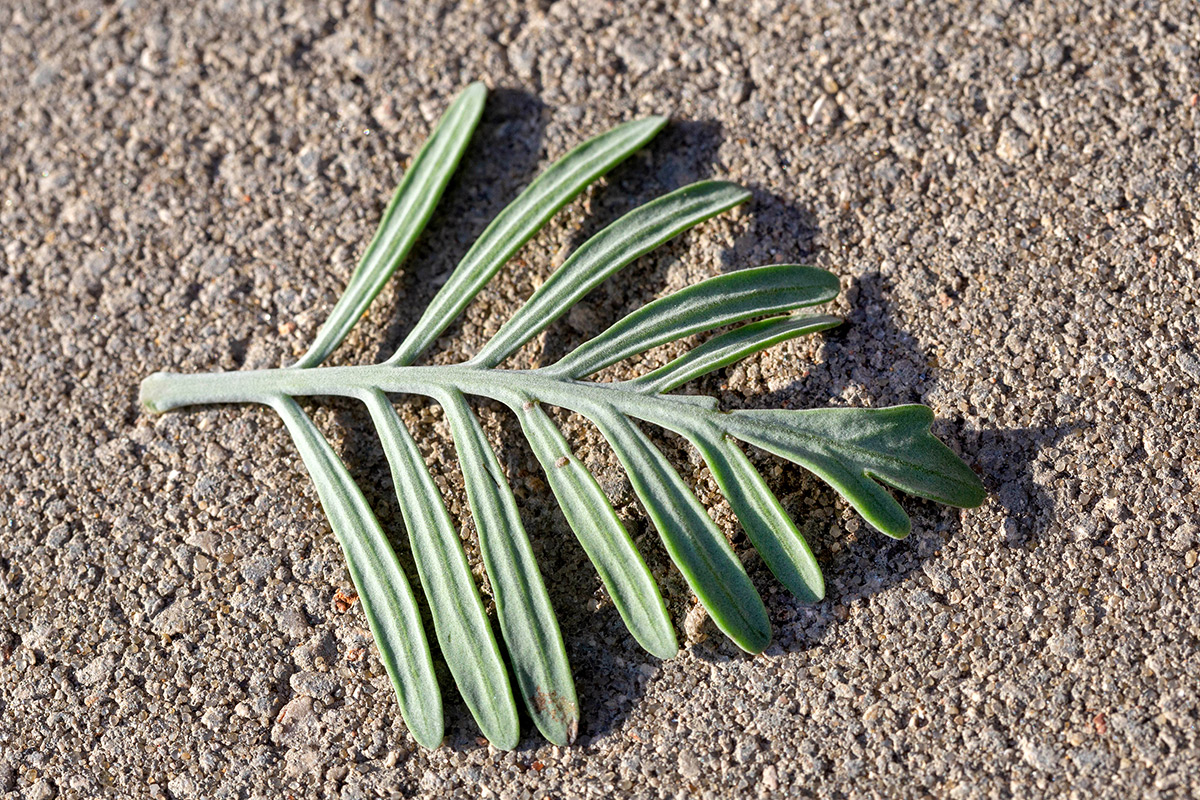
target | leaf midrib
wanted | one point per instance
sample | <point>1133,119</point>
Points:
<point>503,385</point>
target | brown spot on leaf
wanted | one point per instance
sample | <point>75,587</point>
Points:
<point>558,709</point>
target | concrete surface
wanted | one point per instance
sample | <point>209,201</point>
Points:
<point>1006,188</point>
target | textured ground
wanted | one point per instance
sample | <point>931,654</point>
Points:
<point>1006,188</point>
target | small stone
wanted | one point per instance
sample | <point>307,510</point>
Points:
<point>255,571</point>
<point>689,765</point>
<point>638,56</point>
<point>44,789</point>
<point>770,778</point>
<point>746,750</point>
<point>693,624</point>
<point>361,65</point>
<point>292,622</point>
<point>735,92</point>
<point>317,685</point>
<point>97,670</point>
<point>386,115</point>
<point>1042,756</point>
<point>294,721</point>
<point>1189,363</point>
<point>1053,54</point>
<point>174,619</point>
<point>214,718</point>
<point>1013,145</point>
<point>309,161</point>
<point>182,785</point>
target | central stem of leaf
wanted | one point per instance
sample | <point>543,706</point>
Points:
<point>164,391</point>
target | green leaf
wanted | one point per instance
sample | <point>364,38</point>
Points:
<point>767,525</point>
<point>463,630</point>
<point>527,620</point>
<point>701,307</point>
<point>856,451</point>
<point>517,223</point>
<point>852,448</point>
<point>728,348</point>
<point>599,530</point>
<point>387,598</point>
<point>694,543</point>
<point>606,253</point>
<point>403,220</point>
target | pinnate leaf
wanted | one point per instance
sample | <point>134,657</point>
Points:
<point>857,451</point>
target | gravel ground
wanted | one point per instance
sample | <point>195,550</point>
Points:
<point>1007,190</point>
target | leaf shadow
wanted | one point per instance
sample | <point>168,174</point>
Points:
<point>360,450</point>
<point>364,458</point>
<point>870,361</point>
<point>564,565</point>
<point>777,231</point>
<point>877,563</point>
<point>1029,509</point>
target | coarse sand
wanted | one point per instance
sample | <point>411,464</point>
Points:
<point>1006,189</point>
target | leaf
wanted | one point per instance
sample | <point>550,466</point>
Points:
<point>462,626</point>
<point>601,533</point>
<point>517,223</point>
<point>387,599</point>
<point>729,348</point>
<point>605,254</point>
<point>694,543</point>
<point>698,308</point>
<point>852,448</point>
<point>405,218</point>
<point>857,451</point>
<point>526,619</point>
<point>768,527</point>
